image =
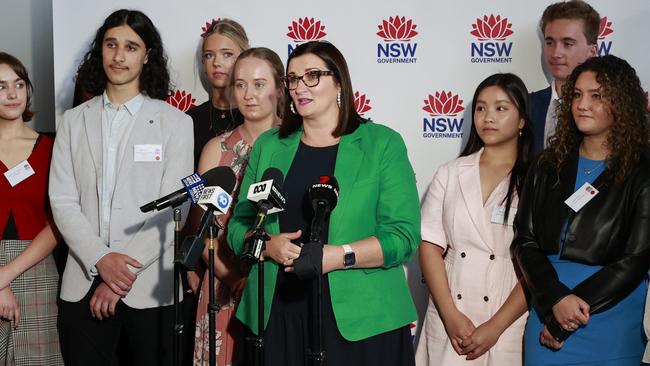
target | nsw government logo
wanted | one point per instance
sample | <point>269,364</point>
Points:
<point>604,45</point>
<point>491,34</point>
<point>304,30</point>
<point>443,108</point>
<point>397,33</point>
<point>361,103</point>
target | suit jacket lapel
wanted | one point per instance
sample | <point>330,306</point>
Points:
<point>348,161</point>
<point>146,125</point>
<point>470,186</point>
<point>92,117</point>
<point>282,159</point>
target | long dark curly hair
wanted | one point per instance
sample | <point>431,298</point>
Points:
<point>629,132</point>
<point>154,80</point>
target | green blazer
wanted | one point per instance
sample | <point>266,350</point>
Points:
<point>378,197</point>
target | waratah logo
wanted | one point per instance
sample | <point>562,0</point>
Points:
<point>361,103</point>
<point>306,29</point>
<point>605,28</point>
<point>181,100</point>
<point>443,107</point>
<point>491,28</point>
<point>207,26</point>
<point>443,103</point>
<point>397,29</point>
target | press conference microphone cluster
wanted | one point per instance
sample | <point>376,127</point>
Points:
<point>269,198</point>
<point>192,187</point>
<point>216,199</point>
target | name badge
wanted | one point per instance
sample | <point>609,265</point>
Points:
<point>580,197</point>
<point>499,215</point>
<point>19,173</point>
<point>147,153</point>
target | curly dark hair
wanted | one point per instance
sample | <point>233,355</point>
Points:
<point>154,79</point>
<point>516,90</point>
<point>629,132</point>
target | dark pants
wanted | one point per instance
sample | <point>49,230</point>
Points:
<point>130,337</point>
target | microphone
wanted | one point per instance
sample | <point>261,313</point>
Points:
<point>268,193</point>
<point>324,196</point>
<point>269,198</point>
<point>192,187</point>
<point>216,200</point>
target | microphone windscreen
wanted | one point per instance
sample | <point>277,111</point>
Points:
<point>221,176</point>
<point>326,189</point>
<point>275,174</point>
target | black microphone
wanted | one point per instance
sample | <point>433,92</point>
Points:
<point>217,200</point>
<point>324,196</point>
<point>192,187</point>
<point>269,198</point>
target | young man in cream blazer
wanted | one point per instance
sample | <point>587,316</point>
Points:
<point>121,149</point>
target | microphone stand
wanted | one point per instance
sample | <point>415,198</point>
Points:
<point>259,238</point>
<point>178,320</point>
<point>317,352</point>
<point>212,303</point>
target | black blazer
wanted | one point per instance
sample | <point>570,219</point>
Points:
<point>612,230</point>
<point>539,102</point>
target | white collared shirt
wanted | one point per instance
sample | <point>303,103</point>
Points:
<point>551,114</point>
<point>117,124</point>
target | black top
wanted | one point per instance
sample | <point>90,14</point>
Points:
<point>210,122</point>
<point>308,164</point>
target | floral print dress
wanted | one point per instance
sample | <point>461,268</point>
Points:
<point>234,153</point>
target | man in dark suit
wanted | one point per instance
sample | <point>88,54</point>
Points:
<point>570,32</point>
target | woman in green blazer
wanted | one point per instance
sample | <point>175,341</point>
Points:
<point>367,305</point>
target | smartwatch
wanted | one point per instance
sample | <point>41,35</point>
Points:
<point>349,258</point>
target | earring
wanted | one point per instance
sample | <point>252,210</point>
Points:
<point>338,99</point>
<point>293,109</point>
<point>520,133</point>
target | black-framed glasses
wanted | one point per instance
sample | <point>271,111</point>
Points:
<point>310,78</point>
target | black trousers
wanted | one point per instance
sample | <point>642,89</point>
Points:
<point>130,337</point>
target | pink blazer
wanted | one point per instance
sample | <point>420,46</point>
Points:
<point>477,260</point>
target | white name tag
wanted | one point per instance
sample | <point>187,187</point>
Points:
<point>499,214</point>
<point>580,197</point>
<point>19,173</point>
<point>147,153</point>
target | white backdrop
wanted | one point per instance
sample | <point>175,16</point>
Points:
<point>405,57</point>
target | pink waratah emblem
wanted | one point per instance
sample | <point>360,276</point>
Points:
<point>207,26</point>
<point>181,100</point>
<point>604,30</point>
<point>361,103</point>
<point>443,103</point>
<point>397,29</point>
<point>492,27</point>
<point>306,29</point>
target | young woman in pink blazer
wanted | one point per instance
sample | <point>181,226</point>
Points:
<point>477,306</point>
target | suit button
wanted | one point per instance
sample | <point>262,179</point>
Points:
<point>491,257</point>
<point>571,237</point>
<point>462,255</point>
<point>459,297</point>
<point>485,298</point>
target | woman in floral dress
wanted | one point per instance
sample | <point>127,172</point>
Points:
<point>259,94</point>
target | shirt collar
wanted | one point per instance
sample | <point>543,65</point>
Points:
<point>554,94</point>
<point>132,106</point>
